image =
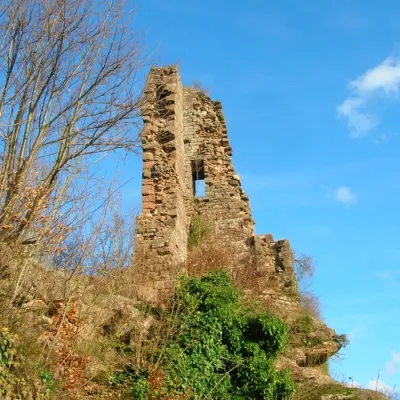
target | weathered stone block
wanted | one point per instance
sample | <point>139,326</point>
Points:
<point>156,244</point>
<point>148,156</point>
<point>148,189</point>
<point>162,251</point>
<point>148,164</point>
<point>146,173</point>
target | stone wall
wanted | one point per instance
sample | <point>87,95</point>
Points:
<point>185,141</point>
<point>273,261</point>
<point>161,229</point>
<point>225,205</point>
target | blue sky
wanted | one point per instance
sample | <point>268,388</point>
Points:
<point>311,94</point>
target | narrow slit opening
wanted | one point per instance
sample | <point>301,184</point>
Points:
<point>198,176</point>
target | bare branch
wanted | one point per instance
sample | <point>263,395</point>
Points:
<point>68,90</point>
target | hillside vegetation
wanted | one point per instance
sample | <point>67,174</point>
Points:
<point>209,345</point>
<point>70,325</point>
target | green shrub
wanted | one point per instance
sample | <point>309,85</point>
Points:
<point>14,384</point>
<point>312,341</point>
<point>136,381</point>
<point>48,380</point>
<point>8,361</point>
<point>218,349</point>
<point>342,340</point>
<point>303,325</point>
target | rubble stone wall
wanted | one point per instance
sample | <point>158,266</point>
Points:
<point>225,205</point>
<point>184,140</point>
<point>274,258</point>
<point>161,229</point>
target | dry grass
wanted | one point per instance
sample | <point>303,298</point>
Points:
<point>58,311</point>
<point>312,391</point>
<point>215,253</point>
<point>311,304</point>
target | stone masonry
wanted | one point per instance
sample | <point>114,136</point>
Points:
<point>185,143</point>
<point>185,146</point>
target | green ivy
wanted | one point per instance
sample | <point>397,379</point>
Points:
<point>8,361</point>
<point>13,383</point>
<point>136,380</point>
<point>219,349</point>
<point>47,378</point>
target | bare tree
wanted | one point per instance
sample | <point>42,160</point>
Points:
<point>304,266</point>
<point>201,88</point>
<point>68,90</point>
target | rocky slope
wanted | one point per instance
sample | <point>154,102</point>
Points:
<point>82,317</point>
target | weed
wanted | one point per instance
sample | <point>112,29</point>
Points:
<point>47,378</point>
<point>199,229</point>
<point>303,325</point>
<point>342,340</point>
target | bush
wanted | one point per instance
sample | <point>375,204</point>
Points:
<point>8,361</point>
<point>304,267</point>
<point>310,304</point>
<point>13,382</point>
<point>218,349</point>
<point>303,324</point>
<point>342,339</point>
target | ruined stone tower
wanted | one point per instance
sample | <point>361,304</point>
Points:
<point>187,173</point>
<point>188,176</point>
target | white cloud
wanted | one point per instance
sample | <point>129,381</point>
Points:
<point>393,363</point>
<point>345,196</point>
<point>380,386</point>
<point>386,77</point>
<point>383,79</point>
<point>359,121</point>
<point>353,384</point>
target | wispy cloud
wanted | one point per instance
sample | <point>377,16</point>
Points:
<point>358,120</point>
<point>352,383</point>
<point>392,365</point>
<point>345,196</point>
<point>380,386</point>
<point>386,77</point>
<point>383,79</point>
<point>381,138</point>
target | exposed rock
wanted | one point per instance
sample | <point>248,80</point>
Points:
<point>35,305</point>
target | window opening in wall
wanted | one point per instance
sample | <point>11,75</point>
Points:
<point>198,176</point>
